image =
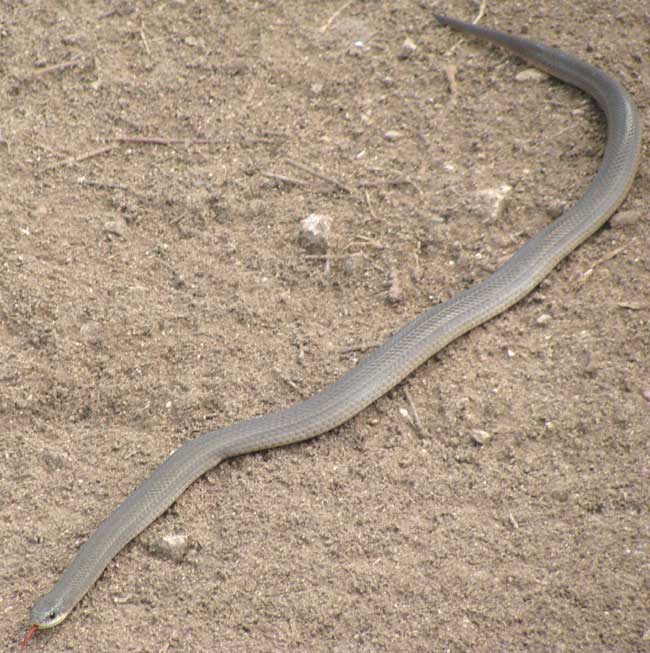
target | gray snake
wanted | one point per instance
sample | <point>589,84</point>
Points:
<point>401,353</point>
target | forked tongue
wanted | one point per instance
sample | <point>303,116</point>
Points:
<point>28,636</point>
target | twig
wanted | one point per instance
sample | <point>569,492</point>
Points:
<point>633,306</point>
<point>147,140</point>
<point>81,157</point>
<point>323,257</point>
<point>335,15</point>
<point>289,382</point>
<point>377,183</point>
<point>604,259</point>
<point>400,179</point>
<point>320,175</point>
<point>355,348</point>
<point>56,67</point>
<point>481,13</point>
<point>416,274</point>
<point>609,256</point>
<point>144,40</point>
<point>450,72</point>
<point>368,242</point>
<point>120,9</point>
<point>395,293</point>
<point>101,184</point>
<point>328,264</point>
<point>415,420</point>
<point>551,137</point>
<point>370,208</point>
<point>287,180</point>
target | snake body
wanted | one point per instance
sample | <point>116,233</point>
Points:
<point>400,354</point>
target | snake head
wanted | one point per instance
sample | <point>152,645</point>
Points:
<point>46,614</point>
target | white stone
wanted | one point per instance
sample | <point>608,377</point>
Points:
<point>531,75</point>
<point>406,49</point>
<point>494,200</point>
<point>315,233</point>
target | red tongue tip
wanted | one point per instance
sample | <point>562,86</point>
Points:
<point>28,636</point>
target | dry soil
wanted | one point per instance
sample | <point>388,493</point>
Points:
<point>149,292</point>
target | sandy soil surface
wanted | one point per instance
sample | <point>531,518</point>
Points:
<point>151,292</point>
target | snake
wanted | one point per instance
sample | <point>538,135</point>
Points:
<point>402,352</point>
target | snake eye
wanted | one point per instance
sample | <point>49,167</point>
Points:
<point>51,615</point>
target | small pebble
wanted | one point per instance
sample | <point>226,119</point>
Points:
<point>169,547</point>
<point>543,319</point>
<point>631,306</point>
<point>556,208</point>
<point>493,201</point>
<point>72,39</point>
<point>315,233</point>
<point>625,218</point>
<point>194,42</point>
<point>531,75</point>
<point>116,227</point>
<point>645,393</point>
<point>392,135</point>
<point>406,49</point>
<point>54,462</point>
<point>480,437</point>
<point>589,367</point>
<point>395,293</point>
<point>91,333</point>
<point>352,263</point>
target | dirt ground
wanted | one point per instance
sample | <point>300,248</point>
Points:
<point>149,292</point>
